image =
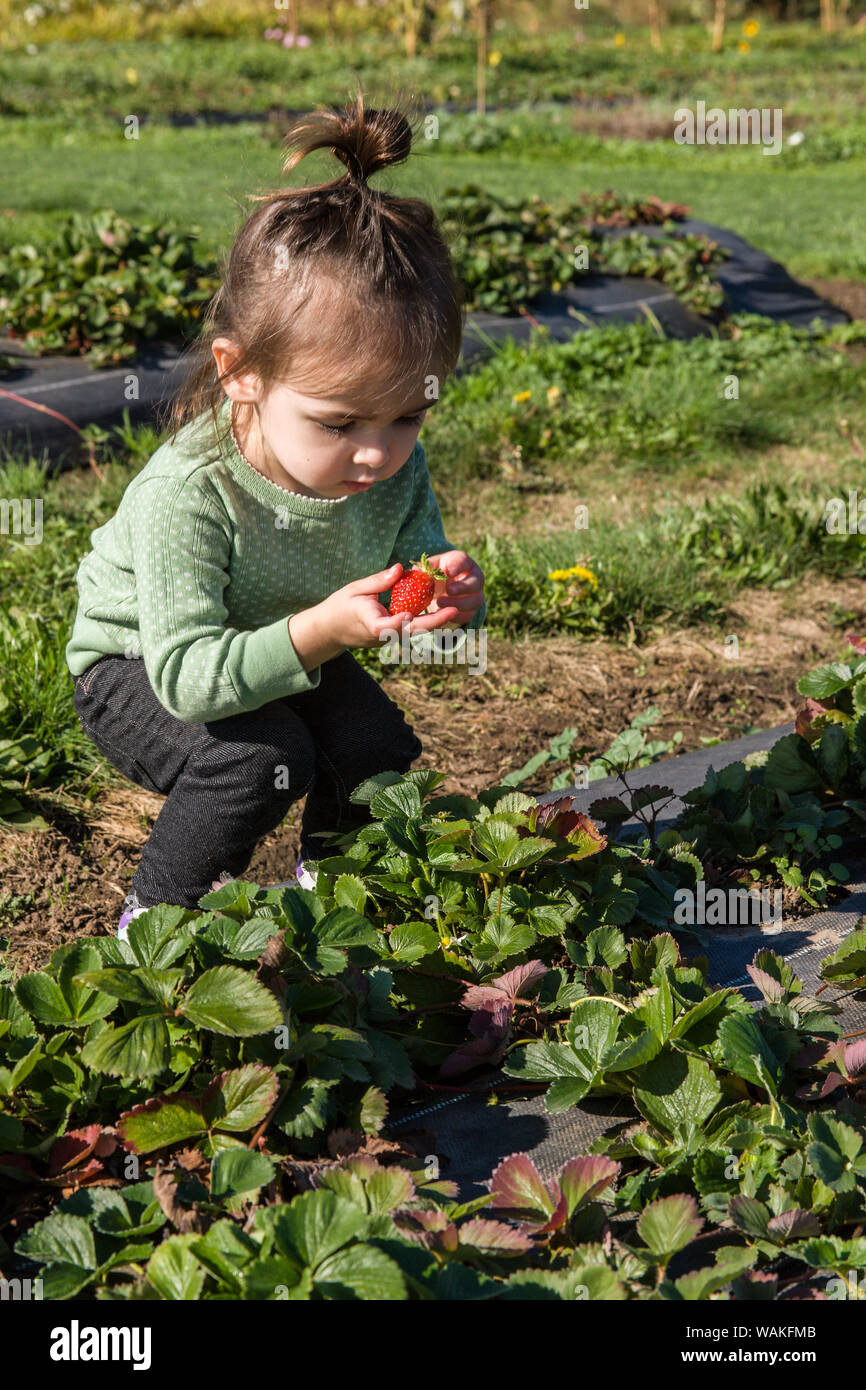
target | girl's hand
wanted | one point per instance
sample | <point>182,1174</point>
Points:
<point>354,617</point>
<point>464,588</point>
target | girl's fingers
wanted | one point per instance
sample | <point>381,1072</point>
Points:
<point>377,583</point>
<point>469,604</point>
<point>429,621</point>
<point>391,620</point>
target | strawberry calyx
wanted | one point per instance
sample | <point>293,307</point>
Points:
<point>426,567</point>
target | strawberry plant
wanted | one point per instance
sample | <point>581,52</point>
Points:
<point>22,764</point>
<point>785,813</point>
<point>202,1110</point>
<point>631,748</point>
<point>115,284</point>
<point>784,1187</point>
<point>101,286</point>
<point>508,250</point>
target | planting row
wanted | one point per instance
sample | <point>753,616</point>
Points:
<point>102,286</point>
<point>201,1111</point>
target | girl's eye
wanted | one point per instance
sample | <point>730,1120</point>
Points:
<point>405,420</point>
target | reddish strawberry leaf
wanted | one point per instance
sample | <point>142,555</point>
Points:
<point>771,989</point>
<point>556,817</point>
<point>559,1215</point>
<point>609,808</point>
<point>804,717</point>
<point>517,981</point>
<point>431,1229</point>
<point>71,1150</point>
<point>832,1083</point>
<point>793,1225</point>
<point>517,1186</point>
<point>584,1178</point>
<point>161,1122</point>
<point>485,997</point>
<point>855,1058</point>
<point>485,1234</point>
<point>587,838</point>
<point>648,796</point>
<point>492,1029</point>
<point>513,984</point>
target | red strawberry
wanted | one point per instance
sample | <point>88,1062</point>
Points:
<point>414,590</point>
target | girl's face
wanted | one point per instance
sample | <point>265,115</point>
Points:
<point>328,448</point>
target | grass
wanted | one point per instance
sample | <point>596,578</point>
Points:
<point>636,409</point>
<point>662,559</point>
<point>818,74</point>
<point>202,176</point>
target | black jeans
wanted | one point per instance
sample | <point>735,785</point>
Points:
<point>230,781</point>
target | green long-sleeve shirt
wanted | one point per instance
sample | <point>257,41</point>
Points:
<point>205,560</point>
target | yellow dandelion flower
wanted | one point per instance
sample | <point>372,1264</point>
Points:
<point>581,572</point>
<point>576,572</point>
<point>494,59</point>
<point>521,397</point>
<point>744,47</point>
<point>751,28</point>
<point>553,393</point>
<point>619,40</point>
<point>131,76</point>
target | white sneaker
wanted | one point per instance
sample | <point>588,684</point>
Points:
<point>306,877</point>
<point>131,908</point>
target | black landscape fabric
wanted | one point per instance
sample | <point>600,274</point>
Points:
<point>472,1135</point>
<point>753,281</point>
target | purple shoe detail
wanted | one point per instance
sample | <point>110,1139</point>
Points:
<point>131,908</point>
<point>306,876</point>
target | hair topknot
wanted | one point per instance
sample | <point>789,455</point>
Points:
<point>364,139</point>
<point>333,287</point>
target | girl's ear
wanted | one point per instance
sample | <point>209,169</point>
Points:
<point>241,388</point>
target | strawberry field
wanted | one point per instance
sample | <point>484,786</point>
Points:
<point>202,1111</point>
<point>516,1043</point>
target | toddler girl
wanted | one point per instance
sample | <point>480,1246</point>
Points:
<point>217,607</point>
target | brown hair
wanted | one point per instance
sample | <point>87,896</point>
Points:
<point>388,304</point>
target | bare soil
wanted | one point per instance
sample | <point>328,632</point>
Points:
<point>850,295</point>
<point>70,881</point>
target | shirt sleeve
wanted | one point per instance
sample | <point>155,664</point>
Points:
<point>422,533</point>
<point>200,668</point>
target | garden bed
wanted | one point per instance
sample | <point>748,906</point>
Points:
<point>66,386</point>
<point>476,1127</point>
<point>70,881</point>
<point>456,935</point>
